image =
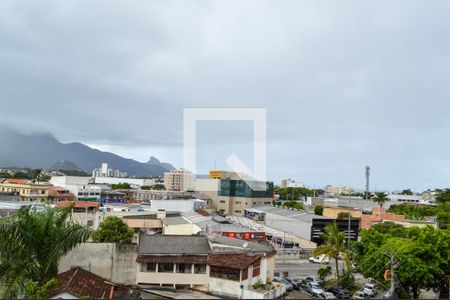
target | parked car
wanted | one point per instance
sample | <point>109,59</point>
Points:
<point>321,259</point>
<point>370,289</point>
<point>339,292</point>
<point>313,279</point>
<point>314,289</point>
<point>295,282</point>
<point>289,286</point>
<point>325,296</point>
<point>360,295</point>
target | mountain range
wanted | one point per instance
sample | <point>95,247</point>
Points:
<point>43,150</point>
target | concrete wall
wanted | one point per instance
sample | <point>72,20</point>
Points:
<point>172,278</point>
<point>224,287</point>
<point>333,212</point>
<point>183,229</point>
<point>113,262</point>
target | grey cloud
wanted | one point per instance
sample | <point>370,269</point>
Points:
<point>344,84</point>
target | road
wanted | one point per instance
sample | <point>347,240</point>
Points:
<point>298,268</point>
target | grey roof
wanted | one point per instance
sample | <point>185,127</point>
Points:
<point>173,245</point>
<point>250,246</point>
<point>175,221</point>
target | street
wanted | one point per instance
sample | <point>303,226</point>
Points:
<point>299,267</point>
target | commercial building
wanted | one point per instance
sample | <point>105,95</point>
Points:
<point>289,183</point>
<point>148,195</point>
<point>136,182</point>
<point>26,189</point>
<point>339,190</point>
<point>179,180</point>
<point>319,224</point>
<point>233,196</point>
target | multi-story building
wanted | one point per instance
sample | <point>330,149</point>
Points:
<point>179,180</point>
<point>287,183</point>
<point>339,190</point>
<point>233,196</point>
<point>148,195</point>
<point>57,193</point>
<point>26,189</point>
<point>105,171</point>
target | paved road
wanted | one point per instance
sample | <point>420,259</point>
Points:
<point>299,268</point>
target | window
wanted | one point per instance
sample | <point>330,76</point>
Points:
<point>148,267</point>
<point>184,268</point>
<point>237,202</point>
<point>224,273</point>
<point>165,268</point>
<point>237,211</point>
<point>90,223</point>
<point>222,201</point>
<point>199,269</point>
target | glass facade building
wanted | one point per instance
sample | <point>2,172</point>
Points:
<point>239,188</point>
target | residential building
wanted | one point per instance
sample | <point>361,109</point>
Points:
<point>26,189</point>
<point>339,190</point>
<point>289,183</point>
<point>78,283</point>
<point>85,213</point>
<point>105,171</point>
<point>57,193</point>
<point>233,196</point>
<point>179,180</point>
<point>175,260</point>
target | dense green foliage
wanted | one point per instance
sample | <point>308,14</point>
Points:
<point>291,193</point>
<point>122,185</point>
<point>35,290</point>
<point>318,210</point>
<point>333,246</point>
<point>407,192</point>
<point>422,254</point>
<point>292,204</point>
<point>113,230</point>
<point>74,173</point>
<point>325,272</point>
<point>32,243</point>
<point>342,215</point>
<point>413,212</point>
<point>154,187</point>
<point>443,196</point>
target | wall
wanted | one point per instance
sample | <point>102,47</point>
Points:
<point>113,262</point>
<point>172,278</point>
<point>273,294</point>
<point>224,287</point>
<point>183,229</point>
<point>333,212</point>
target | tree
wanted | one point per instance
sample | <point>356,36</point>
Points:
<point>380,198</point>
<point>323,273</point>
<point>318,210</point>
<point>342,215</point>
<point>32,243</point>
<point>334,245</point>
<point>33,290</point>
<point>113,230</point>
<point>422,255</point>
<point>443,196</point>
<point>407,192</point>
<point>122,185</point>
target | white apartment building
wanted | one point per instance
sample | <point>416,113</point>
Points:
<point>289,183</point>
<point>79,186</point>
<point>105,171</point>
<point>339,190</point>
<point>179,180</point>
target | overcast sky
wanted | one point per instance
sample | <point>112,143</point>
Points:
<point>345,84</point>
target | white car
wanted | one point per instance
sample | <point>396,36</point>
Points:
<point>322,259</point>
<point>314,289</point>
<point>370,289</point>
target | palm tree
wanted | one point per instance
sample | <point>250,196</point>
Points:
<point>334,245</point>
<point>32,243</point>
<point>380,198</point>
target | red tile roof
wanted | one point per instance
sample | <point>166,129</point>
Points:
<point>79,282</point>
<point>18,180</point>
<point>231,260</point>
<point>78,204</point>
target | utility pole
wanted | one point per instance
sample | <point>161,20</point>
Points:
<point>367,181</point>
<point>348,229</point>
<point>392,293</point>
